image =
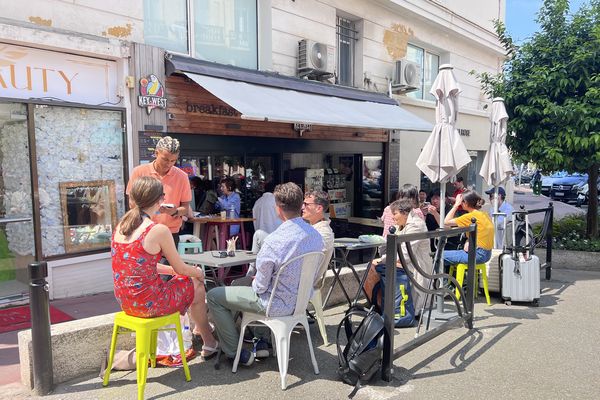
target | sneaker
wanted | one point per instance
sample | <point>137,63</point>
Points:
<point>260,348</point>
<point>248,336</point>
<point>246,358</point>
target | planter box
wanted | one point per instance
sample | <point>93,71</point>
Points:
<point>570,259</point>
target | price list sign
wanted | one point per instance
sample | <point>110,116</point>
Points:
<point>147,142</point>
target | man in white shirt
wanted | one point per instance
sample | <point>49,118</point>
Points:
<point>505,209</point>
<point>266,221</point>
<point>313,212</point>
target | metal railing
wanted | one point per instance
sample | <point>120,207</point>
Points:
<point>464,308</point>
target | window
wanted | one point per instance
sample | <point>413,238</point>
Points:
<point>223,31</point>
<point>347,35</point>
<point>429,64</point>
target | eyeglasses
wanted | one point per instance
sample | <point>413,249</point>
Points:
<point>222,254</point>
<point>305,204</point>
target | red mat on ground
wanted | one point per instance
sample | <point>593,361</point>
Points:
<point>19,318</point>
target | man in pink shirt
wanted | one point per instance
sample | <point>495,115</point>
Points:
<point>175,184</point>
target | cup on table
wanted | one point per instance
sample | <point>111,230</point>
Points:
<point>223,214</point>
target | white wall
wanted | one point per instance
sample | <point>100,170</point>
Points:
<point>467,44</point>
<point>107,18</point>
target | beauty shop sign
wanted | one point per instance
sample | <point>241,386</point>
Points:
<point>27,73</point>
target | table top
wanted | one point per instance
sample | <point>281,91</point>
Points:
<point>355,244</point>
<point>215,219</point>
<point>208,258</point>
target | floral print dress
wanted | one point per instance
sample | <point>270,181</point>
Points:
<point>138,287</point>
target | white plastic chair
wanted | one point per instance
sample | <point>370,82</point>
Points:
<point>281,327</point>
<point>316,299</point>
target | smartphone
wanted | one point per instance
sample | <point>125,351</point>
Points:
<point>167,205</point>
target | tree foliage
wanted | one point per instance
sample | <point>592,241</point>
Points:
<point>551,88</point>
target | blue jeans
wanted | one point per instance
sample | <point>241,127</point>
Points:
<point>452,257</point>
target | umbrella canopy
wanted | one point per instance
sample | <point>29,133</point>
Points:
<point>444,153</point>
<point>497,167</point>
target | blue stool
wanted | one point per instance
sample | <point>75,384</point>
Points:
<point>196,247</point>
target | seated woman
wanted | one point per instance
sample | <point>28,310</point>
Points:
<point>230,201</point>
<point>137,246</point>
<point>471,202</point>
<point>407,222</point>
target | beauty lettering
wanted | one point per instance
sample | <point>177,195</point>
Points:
<point>36,79</point>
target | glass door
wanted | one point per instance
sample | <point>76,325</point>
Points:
<point>17,243</point>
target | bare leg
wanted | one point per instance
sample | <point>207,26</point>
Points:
<point>198,314</point>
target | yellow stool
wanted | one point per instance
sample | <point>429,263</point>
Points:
<point>146,332</point>
<point>460,277</point>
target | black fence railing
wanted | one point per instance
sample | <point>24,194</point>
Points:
<point>437,287</point>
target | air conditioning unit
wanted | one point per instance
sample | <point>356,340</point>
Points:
<point>407,76</point>
<point>315,60</point>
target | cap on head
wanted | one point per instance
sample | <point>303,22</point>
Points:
<point>169,144</point>
<point>501,191</point>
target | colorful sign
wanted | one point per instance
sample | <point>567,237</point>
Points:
<point>152,93</point>
<point>27,73</point>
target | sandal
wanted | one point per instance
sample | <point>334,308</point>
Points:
<point>209,352</point>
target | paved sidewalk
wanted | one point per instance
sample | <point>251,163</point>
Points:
<point>514,352</point>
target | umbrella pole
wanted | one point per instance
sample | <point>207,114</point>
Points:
<point>440,299</point>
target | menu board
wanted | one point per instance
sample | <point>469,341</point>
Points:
<point>147,142</point>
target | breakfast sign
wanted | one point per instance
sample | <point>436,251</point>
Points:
<point>27,73</point>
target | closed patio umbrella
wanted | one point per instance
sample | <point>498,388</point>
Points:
<point>497,167</point>
<point>444,153</point>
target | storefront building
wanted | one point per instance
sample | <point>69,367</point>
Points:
<point>63,158</point>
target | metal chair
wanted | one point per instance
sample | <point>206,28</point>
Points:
<point>281,327</point>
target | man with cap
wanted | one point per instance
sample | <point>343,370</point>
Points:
<point>504,208</point>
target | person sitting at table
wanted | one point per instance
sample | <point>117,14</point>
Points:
<point>208,204</point>
<point>137,246</point>
<point>407,222</point>
<point>471,202</point>
<point>313,212</point>
<point>229,201</point>
<point>266,221</point>
<point>387,218</point>
<point>432,220</point>
<point>293,238</point>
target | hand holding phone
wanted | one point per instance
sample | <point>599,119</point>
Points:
<point>167,205</point>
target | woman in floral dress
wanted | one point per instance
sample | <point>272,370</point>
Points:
<point>137,246</point>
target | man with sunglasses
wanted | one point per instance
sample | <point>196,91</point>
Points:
<point>313,211</point>
<point>294,237</point>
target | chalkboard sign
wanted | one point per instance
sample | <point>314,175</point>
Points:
<point>147,142</point>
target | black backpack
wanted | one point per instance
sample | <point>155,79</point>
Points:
<point>361,357</point>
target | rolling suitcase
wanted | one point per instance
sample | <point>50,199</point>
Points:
<point>520,271</point>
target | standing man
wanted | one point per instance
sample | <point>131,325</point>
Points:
<point>313,212</point>
<point>459,188</point>
<point>175,184</point>
<point>504,208</point>
<point>293,238</point>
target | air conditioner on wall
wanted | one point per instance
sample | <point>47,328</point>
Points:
<point>407,76</point>
<point>315,60</point>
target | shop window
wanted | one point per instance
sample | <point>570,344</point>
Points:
<point>223,31</point>
<point>80,177</point>
<point>429,64</point>
<point>165,24</point>
<point>347,36</point>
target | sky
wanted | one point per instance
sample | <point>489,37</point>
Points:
<point>521,15</point>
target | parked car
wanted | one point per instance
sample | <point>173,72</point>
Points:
<point>547,181</point>
<point>566,188</point>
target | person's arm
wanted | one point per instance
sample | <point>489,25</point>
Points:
<point>160,238</point>
<point>449,220</point>
<point>434,212</point>
<point>183,209</point>
<point>265,266</point>
<point>237,204</point>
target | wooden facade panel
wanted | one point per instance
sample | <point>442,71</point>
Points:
<point>145,60</point>
<point>194,110</point>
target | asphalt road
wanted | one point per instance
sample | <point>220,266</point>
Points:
<point>524,196</point>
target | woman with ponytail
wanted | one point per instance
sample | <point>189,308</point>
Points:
<point>137,246</point>
<point>471,202</point>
